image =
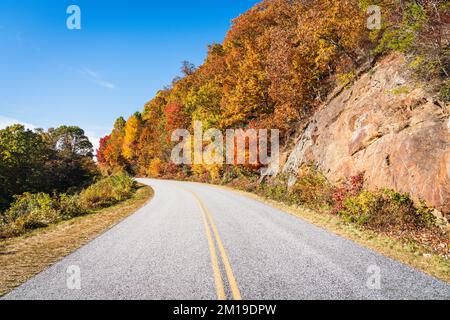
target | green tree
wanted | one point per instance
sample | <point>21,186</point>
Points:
<point>23,155</point>
<point>38,161</point>
<point>70,141</point>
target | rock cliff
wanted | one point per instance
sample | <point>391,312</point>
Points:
<point>387,126</point>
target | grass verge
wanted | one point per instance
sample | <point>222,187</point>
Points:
<point>411,254</point>
<point>23,257</point>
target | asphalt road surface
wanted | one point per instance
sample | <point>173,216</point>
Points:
<point>195,241</point>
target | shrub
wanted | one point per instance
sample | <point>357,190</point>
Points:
<point>108,191</point>
<point>277,192</point>
<point>215,172</point>
<point>199,173</point>
<point>229,174</point>
<point>312,189</point>
<point>358,209</point>
<point>30,211</point>
<point>351,187</point>
<point>70,206</point>
<point>426,215</point>
<point>171,170</point>
<point>241,178</point>
<point>386,210</point>
<point>444,92</point>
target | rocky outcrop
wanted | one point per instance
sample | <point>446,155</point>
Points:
<point>386,126</point>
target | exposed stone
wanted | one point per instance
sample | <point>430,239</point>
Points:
<point>387,127</point>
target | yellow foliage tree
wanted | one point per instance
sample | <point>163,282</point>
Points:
<point>155,168</point>
<point>133,129</point>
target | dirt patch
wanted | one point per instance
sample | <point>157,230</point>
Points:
<point>23,257</point>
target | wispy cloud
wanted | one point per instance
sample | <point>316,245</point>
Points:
<point>96,78</point>
<point>6,122</point>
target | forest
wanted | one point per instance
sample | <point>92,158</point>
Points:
<point>277,64</point>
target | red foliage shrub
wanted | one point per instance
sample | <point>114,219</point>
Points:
<point>352,187</point>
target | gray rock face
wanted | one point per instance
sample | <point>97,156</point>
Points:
<point>386,126</point>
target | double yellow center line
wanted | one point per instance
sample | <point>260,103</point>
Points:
<point>209,221</point>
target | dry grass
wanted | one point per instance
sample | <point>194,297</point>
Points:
<point>410,253</point>
<point>23,257</point>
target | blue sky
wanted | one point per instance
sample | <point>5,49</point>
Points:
<point>124,52</point>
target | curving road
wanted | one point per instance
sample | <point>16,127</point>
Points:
<point>196,241</point>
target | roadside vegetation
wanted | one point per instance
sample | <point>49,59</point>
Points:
<point>50,176</point>
<point>404,249</point>
<point>36,210</point>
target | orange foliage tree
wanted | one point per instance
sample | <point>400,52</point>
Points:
<point>276,65</point>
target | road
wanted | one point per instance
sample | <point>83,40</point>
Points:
<point>195,241</point>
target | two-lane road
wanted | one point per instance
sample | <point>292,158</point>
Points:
<point>196,241</point>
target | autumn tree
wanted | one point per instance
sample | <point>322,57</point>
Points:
<point>187,68</point>
<point>113,152</point>
<point>102,149</point>
<point>175,117</point>
<point>133,129</point>
<point>276,66</point>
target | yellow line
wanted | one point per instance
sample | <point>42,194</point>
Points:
<point>212,250</point>
<point>214,261</point>
<point>231,279</point>
<point>229,271</point>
